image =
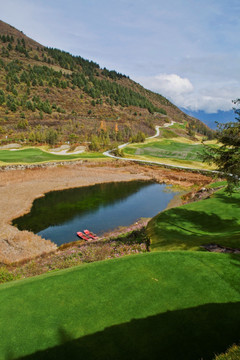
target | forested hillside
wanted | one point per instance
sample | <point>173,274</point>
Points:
<point>49,96</point>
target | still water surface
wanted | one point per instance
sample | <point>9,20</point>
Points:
<point>60,214</point>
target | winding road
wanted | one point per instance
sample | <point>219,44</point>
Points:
<point>108,153</point>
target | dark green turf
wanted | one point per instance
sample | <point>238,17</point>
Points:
<point>173,305</point>
<point>34,155</point>
<point>213,220</point>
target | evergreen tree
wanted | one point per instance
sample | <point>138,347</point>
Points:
<point>227,155</point>
<point>51,136</point>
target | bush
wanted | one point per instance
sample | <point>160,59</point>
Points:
<point>22,124</point>
<point>95,145</point>
<point>51,136</point>
<point>6,276</point>
<point>117,152</point>
<point>140,137</point>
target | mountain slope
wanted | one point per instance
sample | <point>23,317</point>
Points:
<point>48,95</point>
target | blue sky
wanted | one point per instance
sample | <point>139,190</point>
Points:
<point>187,50</point>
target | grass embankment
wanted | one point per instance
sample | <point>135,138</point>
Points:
<point>149,306</point>
<point>213,220</point>
<point>78,253</point>
<point>178,151</point>
<point>35,155</point>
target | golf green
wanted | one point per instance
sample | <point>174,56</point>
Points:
<point>35,155</point>
<point>162,305</point>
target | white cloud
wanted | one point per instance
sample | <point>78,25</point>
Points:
<point>209,104</point>
<point>170,84</point>
<point>207,96</point>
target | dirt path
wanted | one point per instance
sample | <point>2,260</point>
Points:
<point>19,188</point>
<point>108,153</point>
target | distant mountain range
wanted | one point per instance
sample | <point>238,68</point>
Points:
<point>210,120</point>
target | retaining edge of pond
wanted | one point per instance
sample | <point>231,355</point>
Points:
<point>40,165</point>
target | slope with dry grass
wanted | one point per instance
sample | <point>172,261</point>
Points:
<point>47,95</point>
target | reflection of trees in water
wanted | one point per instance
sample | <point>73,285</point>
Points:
<point>57,207</point>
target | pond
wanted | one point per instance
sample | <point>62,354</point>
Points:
<point>100,208</point>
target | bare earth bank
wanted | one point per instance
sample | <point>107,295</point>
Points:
<point>19,188</point>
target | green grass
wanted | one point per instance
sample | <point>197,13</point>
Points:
<point>213,220</point>
<point>183,305</point>
<point>179,152</point>
<point>35,155</point>
<point>179,126</point>
<point>167,134</point>
<point>217,184</point>
<point>232,354</point>
<point>168,149</point>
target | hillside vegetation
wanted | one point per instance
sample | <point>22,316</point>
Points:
<point>49,96</point>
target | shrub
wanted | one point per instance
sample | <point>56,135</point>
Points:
<point>22,124</point>
<point>51,136</point>
<point>6,276</point>
<point>140,137</point>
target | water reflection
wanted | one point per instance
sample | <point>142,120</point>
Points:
<point>102,207</point>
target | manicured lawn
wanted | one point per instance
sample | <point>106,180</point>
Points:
<point>168,149</point>
<point>164,305</point>
<point>35,155</point>
<point>177,152</point>
<point>213,220</point>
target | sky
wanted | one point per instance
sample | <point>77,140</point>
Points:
<point>186,50</point>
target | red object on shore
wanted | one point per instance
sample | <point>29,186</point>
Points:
<point>90,234</point>
<point>82,236</point>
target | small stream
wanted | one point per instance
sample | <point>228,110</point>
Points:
<point>100,208</point>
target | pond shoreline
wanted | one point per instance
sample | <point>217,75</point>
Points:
<point>18,190</point>
<point>132,240</point>
<point>101,208</point>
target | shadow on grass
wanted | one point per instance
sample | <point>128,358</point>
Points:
<point>236,258</point>
<point>186,229</point>
<point>198,221</point>
<point>190,334</point>
<point>233,200</point>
